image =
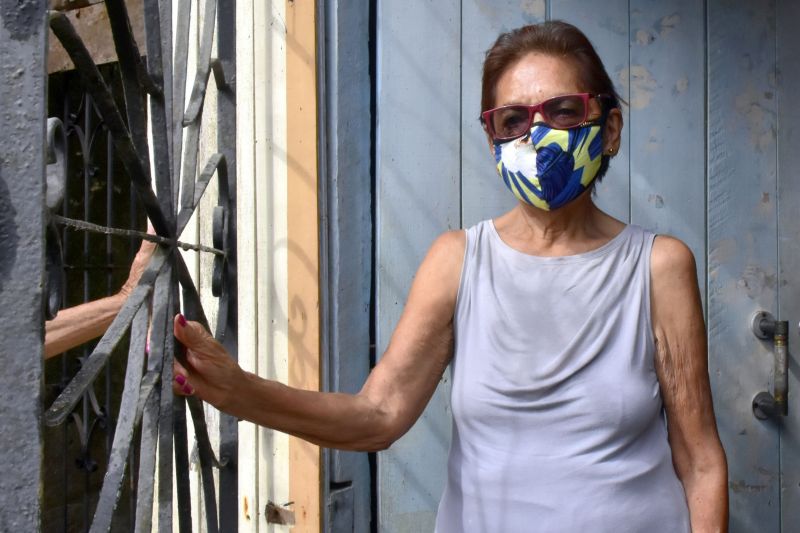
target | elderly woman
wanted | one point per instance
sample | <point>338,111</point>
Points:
<point>580,396</point>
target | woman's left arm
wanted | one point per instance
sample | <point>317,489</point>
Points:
<point>682,368</point>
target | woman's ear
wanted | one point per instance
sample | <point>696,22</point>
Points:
<point>612,132</point>
<point>488,138</point>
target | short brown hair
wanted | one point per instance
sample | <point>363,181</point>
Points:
<point>556,38</point>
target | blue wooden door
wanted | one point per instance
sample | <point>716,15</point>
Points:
<point>709,154</point>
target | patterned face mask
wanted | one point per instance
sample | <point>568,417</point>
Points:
<point>549,168</point>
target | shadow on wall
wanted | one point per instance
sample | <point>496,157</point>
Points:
<point>8,231</point>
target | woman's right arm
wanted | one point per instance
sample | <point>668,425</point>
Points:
<point>394,395</point>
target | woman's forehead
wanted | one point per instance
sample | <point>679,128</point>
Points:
<point>536,77</point>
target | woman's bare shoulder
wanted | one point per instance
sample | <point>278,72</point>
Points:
<point>674,288</point>
<point>450,243</point>
<point>671,258</point>
<point>442,265</point>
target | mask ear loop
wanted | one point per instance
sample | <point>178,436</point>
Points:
<point>605,110</point>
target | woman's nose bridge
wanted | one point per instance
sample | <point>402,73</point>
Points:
<point>537,116</point>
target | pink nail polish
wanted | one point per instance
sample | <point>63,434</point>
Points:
<point>182,320</point>
<point>180,379</point>
<point>187,389</point>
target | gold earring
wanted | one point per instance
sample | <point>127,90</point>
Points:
<point>610,151</point>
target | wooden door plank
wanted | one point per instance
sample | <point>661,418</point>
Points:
<point>742,247</point>
<point>261,180</point>
<point>246,187</point>
<point>270,140</point>
<point>789,246</point>
<point>247,266</point>
<point>91,22</point>
<point>607,28</point>
<point>418,197</point>
<point>302,249</point>
<point>483,193</point>
<point>347,292</point>
<point>667,122</point>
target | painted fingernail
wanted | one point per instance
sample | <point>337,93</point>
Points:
<point>187,389</point>
<point>147,346</point>
<point>182,320</point>
<point>180,379</point>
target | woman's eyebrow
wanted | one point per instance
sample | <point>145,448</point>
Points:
<point>515,102</point>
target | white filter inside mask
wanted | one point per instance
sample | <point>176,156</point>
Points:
<point>519,155</point>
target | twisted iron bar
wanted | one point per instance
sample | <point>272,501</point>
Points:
<point>105,230</point>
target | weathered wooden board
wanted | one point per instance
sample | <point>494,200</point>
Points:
<point>607,28</point>
<point>483,193</point>
<point>788,204</point>
<point>262,258</point>
<point>667,121</point>
<point>418,197</point>
<point>270,86</point>
<point>247,266</point>
<point>742,262</point>
<point>67,5</point>
<point>91,23</point>
<point>302,250</point>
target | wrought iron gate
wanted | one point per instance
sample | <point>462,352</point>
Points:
<point>157,133</point>
<point>94,266</point>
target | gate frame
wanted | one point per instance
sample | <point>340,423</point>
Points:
<point>23,34</point>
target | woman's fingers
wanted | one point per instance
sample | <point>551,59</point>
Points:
<point>180,380</point>
<point>189,337</point>
<point>207,370</point>
<point>195,338</point>
<point>181,385</point>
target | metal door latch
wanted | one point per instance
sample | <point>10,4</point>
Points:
<point>775,405</point>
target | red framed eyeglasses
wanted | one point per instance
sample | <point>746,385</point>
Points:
<point>561,112</point>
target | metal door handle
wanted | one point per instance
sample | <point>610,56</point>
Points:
<point>775,405</point>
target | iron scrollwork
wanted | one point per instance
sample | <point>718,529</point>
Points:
<point>56,183</point>
<point>147,401</point>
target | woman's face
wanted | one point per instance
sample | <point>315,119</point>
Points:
<point>537,77</point>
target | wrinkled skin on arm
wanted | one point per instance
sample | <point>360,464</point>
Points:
<point>682,368</point>
<point>394,395</point>
<point>76,325</point>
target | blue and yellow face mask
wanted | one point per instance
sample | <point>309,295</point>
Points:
<point>549,168</point>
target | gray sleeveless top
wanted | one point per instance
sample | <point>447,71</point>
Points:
<point>558,423</point>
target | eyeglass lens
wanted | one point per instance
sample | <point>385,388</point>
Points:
<point>561,112</point>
